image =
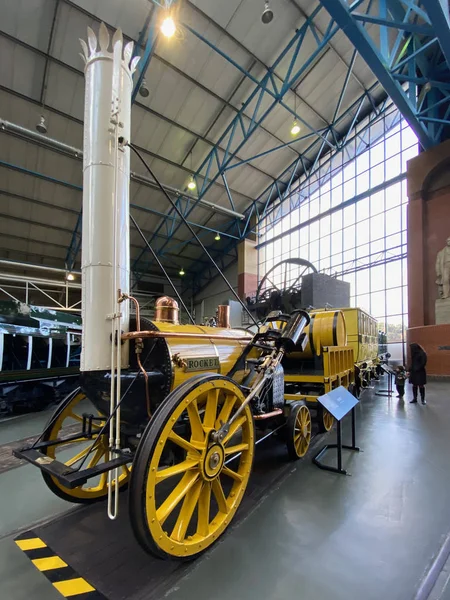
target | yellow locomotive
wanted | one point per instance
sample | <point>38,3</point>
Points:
<point>189,424</point>
<point>170,410</point>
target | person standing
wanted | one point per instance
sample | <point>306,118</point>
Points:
<point>417,372</point>
<point>400,378</point>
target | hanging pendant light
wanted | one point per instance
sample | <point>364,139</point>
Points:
<point>217,238</point>
<point>295,129</point>
<point>267,15</point>
<point>181,272</point>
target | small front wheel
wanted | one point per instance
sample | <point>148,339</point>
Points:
<point>325,419</point>
<point>298,432</point>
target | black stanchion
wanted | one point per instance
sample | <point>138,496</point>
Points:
<point>339,403</point>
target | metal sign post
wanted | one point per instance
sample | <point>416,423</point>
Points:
<point>339,403</point>
<point>391,374</point>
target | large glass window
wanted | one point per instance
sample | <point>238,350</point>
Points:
<point>362,236</point>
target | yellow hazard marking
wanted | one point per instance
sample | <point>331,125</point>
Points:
<point>52,562</point>
<point>72,587</point>
<point>31,544</point>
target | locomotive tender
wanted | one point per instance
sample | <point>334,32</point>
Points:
<point>171,411</point>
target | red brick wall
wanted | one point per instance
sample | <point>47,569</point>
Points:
<point>428,229</point>
<point>435,339</point>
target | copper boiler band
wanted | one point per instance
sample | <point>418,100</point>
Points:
<point>172,334</point>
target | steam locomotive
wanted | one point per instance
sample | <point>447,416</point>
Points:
<point>170,411</point>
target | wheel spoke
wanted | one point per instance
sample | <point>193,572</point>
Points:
<point>236,448</point>
<point>186,512</point>
<point>182,443</point>
<point>220,496</point>
<point>204,503</point>
<point>181,467</point>
<point>198,434</point>
<point>225,412</point>
<point>73,415</point>
<point>177,494</point>
<point>77,457</point>
<point>209,419</point>
<point>100,451</point>
<point>233,428</point>
<point>232,474</point>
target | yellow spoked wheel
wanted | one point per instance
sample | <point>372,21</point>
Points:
<point>325,419</point>
<point>186,487</point>
<point>67,421</point>
<point>298,431</point>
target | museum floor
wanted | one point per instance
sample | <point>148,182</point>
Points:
<point>311,534</point>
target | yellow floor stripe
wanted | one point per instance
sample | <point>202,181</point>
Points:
<point>72,587</point>
<point>45,564</point>
<point>31,544</point>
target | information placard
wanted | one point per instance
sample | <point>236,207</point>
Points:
<point>338,402</point>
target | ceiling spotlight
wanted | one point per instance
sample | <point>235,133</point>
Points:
<point>217,238</point>
<point>41,126</point>
<point>70,277</point>
<point>192,185</point>
<point>267,15</point>
<point>168,27</point>
<point>295,128</point>
<point>143,90</point>
<point>181,271</point>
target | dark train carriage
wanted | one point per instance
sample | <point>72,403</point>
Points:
<point>39,355</point>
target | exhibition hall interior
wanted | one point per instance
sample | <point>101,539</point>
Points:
<point>224,299</point>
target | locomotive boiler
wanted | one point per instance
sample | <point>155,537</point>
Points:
<point>171,411</point>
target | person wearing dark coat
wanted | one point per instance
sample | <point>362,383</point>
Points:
<point>417,372</point>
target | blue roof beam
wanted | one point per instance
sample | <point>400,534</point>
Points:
<point>438,11</point>
<point>372,55</point>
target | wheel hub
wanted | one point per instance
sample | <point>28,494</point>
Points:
<point>213,461</point>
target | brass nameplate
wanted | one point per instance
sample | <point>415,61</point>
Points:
<point>205,363</point>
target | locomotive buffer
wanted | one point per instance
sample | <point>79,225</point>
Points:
<point>339,403</point>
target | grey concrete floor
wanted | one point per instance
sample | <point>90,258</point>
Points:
<point>318,536</point>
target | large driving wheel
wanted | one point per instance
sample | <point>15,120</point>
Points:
<point>185,487</point>
<point>67,421</point>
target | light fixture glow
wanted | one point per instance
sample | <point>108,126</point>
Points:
<point>181,271</point>
<point>192,185</point>
<point>168,27</point>
<point>217,238</point>
<point>70,277</point>
<point>295,128</point>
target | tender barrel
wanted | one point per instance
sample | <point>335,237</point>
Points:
<point>326,328</point>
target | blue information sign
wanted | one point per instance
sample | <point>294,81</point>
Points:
<point>338,402</point>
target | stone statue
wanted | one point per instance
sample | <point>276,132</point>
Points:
<point>443,270</point>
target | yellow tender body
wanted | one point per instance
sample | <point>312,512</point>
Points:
<point>361,334</point>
